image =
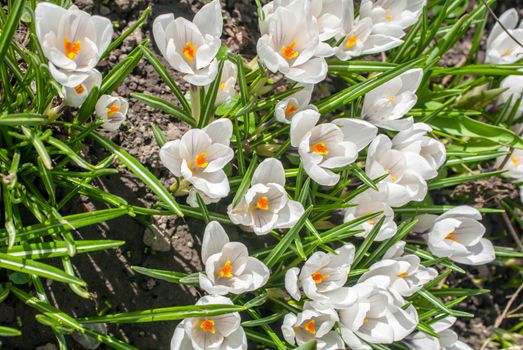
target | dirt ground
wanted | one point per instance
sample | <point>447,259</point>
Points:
<point>114,285</point>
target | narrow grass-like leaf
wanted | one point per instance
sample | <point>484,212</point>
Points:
<point>164,275</point>
<point>140,171</point>
<point>118,73</point>
<point>9,332</point>
<point>25,119</point>
<point>456,180</point>
<point>246,182</point>
<point>367,242</point>
<point>37,268</point>
<point>165,314</point>
<point>159,136</point>
<point>165,106</point>
<point>59,248</point>
<point>8,29</point>
<point>286,241</point>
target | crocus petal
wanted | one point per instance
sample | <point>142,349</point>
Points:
<point>214,239</point>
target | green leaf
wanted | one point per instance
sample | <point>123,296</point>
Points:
<point>37,268</point>
<point>9,332</point>
<point>310,345</point>
<point>116,76</point>
<point>140,171</point>
<point>8,29</point>
<point>168,276</point>
<point>456,180</point>
<point>26,119</point>
<point>165,106</point>
<point>165,314</point>
<point>87,108</point>
<point>465,126</point>
<point>57,249</point>
<point>286,241</point>
<point>246,182</point>
<point>507,252</point>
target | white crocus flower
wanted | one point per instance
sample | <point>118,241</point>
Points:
<point>386,104</point>
<point>501,48</point>
<point>377,316</point>
<point>227,87</point>
<point>322,278</point>
<point>403,183</point>
<point>514,86</point>
<point>392,17</point>
<point>447,338</point>
<point>75,96</point>
<point>370,202</point>
<point>330,16</point>
<point>266,205</point>
<point>432,152</point>
<point>191,47</point>
<point>457,235</point>
<point>328,146</point>
<point>228,266</point>
<point>72,40</point>
<point>514,165</point>
<point>297,102</point>
<point>112,110</point>
<point>292,45</point>
<point>199,157</point>
<point>405,274</point>
<point>222,332</point>
<point>310,324</point>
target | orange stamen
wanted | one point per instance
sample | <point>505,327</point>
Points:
<point>290,109</point>
<point>201,160</point>
<point>71,49</point>
<point>318,277</point>
<point>403,275</point>
<point>515,161</point>
<point>288,51</point>
<point>309,327</point>
<point>208,326</point>
<point>352,41</point>
<point>320,148</point>
<point>189,51</point>
<point>226,270</point>
<point>79,89</point>
<point>451,236</point>
<point>112,110</point>
<point>263,203</point>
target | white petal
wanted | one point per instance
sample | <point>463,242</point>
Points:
<point>214,239</point>
<point>269,171</point>
<point>209,19</point>
<point>291,283</point>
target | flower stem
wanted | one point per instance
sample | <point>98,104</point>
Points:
<point>195,102</point>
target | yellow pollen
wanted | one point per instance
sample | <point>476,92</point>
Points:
<point>318,277</point>
<point>263,203</point>
<point>366,320</point>
<point>189,51</point>
<point>394,178</point>
<point>208,326</point>
<point>309,327</point>
<point>392,99</point>
<point>226,270</point>
<point>112,110</point>
<point>403,275</point>
<point>200,160</point>
<point>79,89</point>
<point>352,41</point>
<point>515,161</point>
<point>320,148</point>
<point>71,49</point>
<point>290,109</point>
<point>288,51</point>
<point>451,236</point>
<point>507,52</point>
<point>389,18</point>
<point>223,86</point>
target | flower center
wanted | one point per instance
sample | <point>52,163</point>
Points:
<point>318,277</point>
<point>403,275</point>
<point>223,86</point>
<point>189,51</point>
<point>451,236</point>
<point>515,161</point>
<point>392,99</point>
<point>201,160</point>
<point>507,52</point>
<point>320,148</point>
<point>366,320</point>
<point>352,41</point>
<point>290,109</point>
<point>388,16</point>
<point>393,177</point>
<point>71,49</point>
<point>309,327</point>
<point>263,203</point>
<point>226,270</point>
<point>79,89</point>
<point>288,51</point>
<point>112,110</point>
<point>208,326</point>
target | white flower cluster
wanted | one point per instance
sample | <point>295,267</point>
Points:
<point>297,36</point>
<point>74,41</point>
